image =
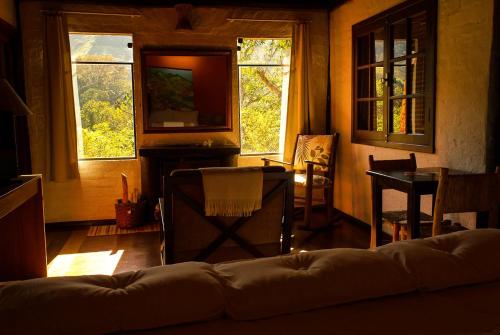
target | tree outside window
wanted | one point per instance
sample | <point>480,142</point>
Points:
<point>103,94</point>
<point>264,68</point>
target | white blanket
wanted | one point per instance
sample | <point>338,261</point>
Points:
<point>232,191</point>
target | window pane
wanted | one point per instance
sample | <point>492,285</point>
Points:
<point>363,50</point>
<point>363,83</point>
<point>377,75</point>
<point>417,75</point>
<point>417,120</point>
<point>108,48</point>
<point>263,103</point>
<point>418,28</point>
<point>104,107</point>
<point>265,51</point>
<point>397,116</point>
<point>378,47</point>
<point>398,78</point>
<point>363,115</point>
<point>399,35</point>
<point>378,107</point>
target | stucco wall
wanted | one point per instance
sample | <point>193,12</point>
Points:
<point>8,11</point>
<point>463,55</point>
<point>92,196</point>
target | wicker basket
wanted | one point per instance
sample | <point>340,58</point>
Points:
<point>129,214</point>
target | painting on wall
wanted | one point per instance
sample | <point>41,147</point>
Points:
<point>171,97</point>
<point>186,90</point>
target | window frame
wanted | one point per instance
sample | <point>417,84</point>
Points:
<point>416,142</point>
<point>131,64</point>
<point>239,87</point>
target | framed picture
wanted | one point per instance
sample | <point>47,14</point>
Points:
<point>186,90</point>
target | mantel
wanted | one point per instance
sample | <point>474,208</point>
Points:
<point>159,161</point>
<point>188,150</point>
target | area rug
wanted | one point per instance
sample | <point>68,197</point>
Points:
<point>114,230</point>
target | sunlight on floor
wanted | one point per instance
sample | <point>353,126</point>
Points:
<point>87,263</point>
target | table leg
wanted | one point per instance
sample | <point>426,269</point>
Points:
<point>433,202</point>
<point>376,229</point>
<point>413,215</point>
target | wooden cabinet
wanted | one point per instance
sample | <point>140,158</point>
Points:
<point>22,230</point>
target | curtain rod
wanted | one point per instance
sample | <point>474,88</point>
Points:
<point>89,13</point>
<point>268,20</point>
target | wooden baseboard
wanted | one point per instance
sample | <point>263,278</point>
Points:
<point>71,225</point>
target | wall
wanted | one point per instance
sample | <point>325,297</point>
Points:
<point>8,11</point>
<point>92,197</point>
<point>463,55</point>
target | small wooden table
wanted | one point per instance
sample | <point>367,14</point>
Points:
<point>414,184</point>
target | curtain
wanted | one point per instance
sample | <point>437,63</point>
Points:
<point>62,155</point>
<point>306,108</point>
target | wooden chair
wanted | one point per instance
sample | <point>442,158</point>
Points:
<point>188,235</point>
<point>398,219</point>
<point>468,193</point>
<point>314,167</point>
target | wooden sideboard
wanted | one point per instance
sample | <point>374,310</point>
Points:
<point>23,252</point>
<point>159,161</point>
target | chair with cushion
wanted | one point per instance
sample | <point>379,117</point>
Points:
<point>190,235</point>
<point>467,193</point>
<point>397,219</point>
<point>314,166</point>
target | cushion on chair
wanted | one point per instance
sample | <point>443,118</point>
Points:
<point>316,148</point>
<point>318,180</point>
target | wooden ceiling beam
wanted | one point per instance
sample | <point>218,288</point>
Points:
<point>282,4</point>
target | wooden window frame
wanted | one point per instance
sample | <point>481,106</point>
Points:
<point>415,142</point>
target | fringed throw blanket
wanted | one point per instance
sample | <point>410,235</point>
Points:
<point>232,191</point>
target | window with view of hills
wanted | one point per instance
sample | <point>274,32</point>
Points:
<point>264,68</point>
<point>103,95</point>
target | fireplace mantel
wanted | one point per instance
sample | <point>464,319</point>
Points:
<point>175,151</point>
<point>158,161</point>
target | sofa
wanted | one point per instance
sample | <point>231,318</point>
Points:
<point>448,284</point>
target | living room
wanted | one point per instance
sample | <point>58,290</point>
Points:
<point>427,86</point>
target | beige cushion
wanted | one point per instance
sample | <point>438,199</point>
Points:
<point>271,286</point>
<point>316,148</point>
<point>460,258</point>
<point>318,180</point>
<point>154,297</point>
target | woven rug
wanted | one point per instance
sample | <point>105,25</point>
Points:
<point>114,230</point>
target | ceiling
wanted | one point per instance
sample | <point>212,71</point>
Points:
<point>289,4</point>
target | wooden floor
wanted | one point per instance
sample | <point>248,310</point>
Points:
<point>72,252</point>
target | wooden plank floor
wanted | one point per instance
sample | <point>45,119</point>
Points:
<point>72,252</point>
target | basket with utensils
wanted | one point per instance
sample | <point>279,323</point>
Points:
<point>129,212</point>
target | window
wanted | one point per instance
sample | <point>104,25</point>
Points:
<point>103,93</point>
<point>393,72</point>
<point>264,67</point>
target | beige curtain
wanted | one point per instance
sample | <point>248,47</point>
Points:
<point>305,114</point>
<point>62,156</point>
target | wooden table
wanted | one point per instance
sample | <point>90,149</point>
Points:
<point>414,184</point>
